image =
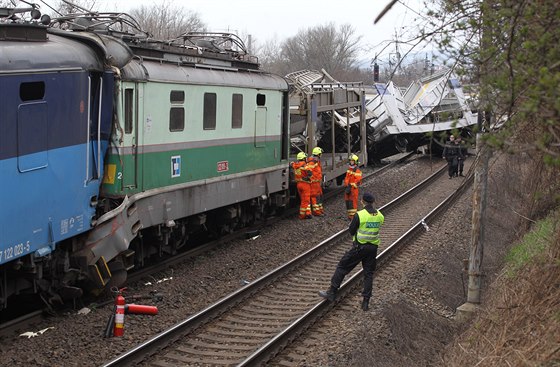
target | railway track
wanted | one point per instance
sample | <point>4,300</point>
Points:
<point>252,325</point>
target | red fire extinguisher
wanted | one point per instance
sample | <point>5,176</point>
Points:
<point>118,329</point>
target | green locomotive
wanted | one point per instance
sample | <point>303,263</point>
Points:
<point>200,140</point>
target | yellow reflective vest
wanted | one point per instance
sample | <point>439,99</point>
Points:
<point>368,231</point>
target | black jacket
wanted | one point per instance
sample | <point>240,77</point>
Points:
<point>452,150</point>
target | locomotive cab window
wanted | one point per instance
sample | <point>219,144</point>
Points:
<point>209,117</point>
<point>177,110</point>
<point>128,105</point>
<point>261,100</point>
<point>237,111</point>
<point>32,91</point>
<point>177,96</point>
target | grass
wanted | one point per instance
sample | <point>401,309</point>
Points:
<point>531,246</point>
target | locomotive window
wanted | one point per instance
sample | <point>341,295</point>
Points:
<point>32,91</point>
<point>176,119</point>
<point>237,111</point>
<point>177,96</point>
<point>209,118</point>
<point>128,106</point>
<point>261,100</point>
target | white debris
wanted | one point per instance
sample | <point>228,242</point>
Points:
<point>84,311</point>
<point>164,280</point>
<point>29,334</point>
<point>158,281</point>
<point>32,334</point>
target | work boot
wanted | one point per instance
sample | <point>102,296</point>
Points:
<point>365,304</point>
<point>329,294</point>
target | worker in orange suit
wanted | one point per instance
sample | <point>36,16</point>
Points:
<point>352,180</point>
<point>314,163</point>
<point>302,176</point>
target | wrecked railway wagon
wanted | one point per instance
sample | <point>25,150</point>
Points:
<point>328,114</point>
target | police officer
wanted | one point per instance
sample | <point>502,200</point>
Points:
<point>452,154</point>
<point>364,229</point>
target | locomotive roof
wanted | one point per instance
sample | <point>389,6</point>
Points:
<point>42,51</point>
<point>145,69</point>
<point>196,47</point>
<point>210,48</point>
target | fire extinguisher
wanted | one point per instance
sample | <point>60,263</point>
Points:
<point>119,315</point>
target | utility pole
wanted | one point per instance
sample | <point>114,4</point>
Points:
<point>479,194</point>
<point>478,219</point>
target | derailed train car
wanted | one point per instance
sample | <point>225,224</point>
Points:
<point>425,113</point>
<point>331,115</point>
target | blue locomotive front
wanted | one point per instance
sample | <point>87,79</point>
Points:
<point>55,112</point>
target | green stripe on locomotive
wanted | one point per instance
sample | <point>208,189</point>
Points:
<point>156,170</point>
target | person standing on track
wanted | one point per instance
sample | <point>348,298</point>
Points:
<point>364,229</point>
<point>302,176</point>
<point>452,154</point>
<point>314,163</point>
<point>352,180</point>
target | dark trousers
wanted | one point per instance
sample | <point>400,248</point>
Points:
<point>367,255</point>
<point>461,164</point>
<point>452,165</point>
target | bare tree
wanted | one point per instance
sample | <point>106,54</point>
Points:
<point>322,47</point>
<point>166,21</point>
<point>64,7</point>
<point>270,57</point>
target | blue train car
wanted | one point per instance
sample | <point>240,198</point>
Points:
<point>56,101</point>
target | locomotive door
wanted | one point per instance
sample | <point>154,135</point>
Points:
<point>131,136</point>
<point>260,127</point>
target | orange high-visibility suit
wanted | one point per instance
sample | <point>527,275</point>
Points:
<point>302,175</point>
<point>352,180</point>
<point>314,163</point>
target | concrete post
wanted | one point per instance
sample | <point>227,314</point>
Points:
<point>477,233</point>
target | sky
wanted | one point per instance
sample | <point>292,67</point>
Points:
<point>280,19</point>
